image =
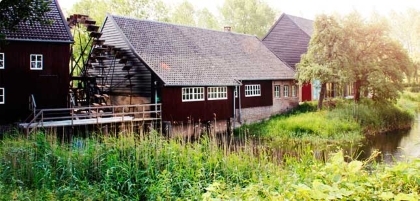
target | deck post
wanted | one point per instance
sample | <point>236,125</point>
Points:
<point>97,116</point>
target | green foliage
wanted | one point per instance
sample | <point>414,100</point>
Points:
<point>334,180</point>
<point>248,16</point>
<point>81,49</point>
<point>350,49</point>
<point>206,19</point>
<point>345,121</point>
<point>13,12</point>
<point>142,9</point>
<point>305,122</point>
<point>375,117</point>
<point>149,167</point>
<point>183,14</point>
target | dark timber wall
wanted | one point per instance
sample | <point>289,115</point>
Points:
<point>50,86</point>
<point>175,110</point>
<point>266,98</point>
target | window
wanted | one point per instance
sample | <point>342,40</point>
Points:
<point>36,61</point>
<point>252,90</point>
<point>286,91</point>
<point>236,92</point>
<point>216,93</point>
<point>294,91</point>
<point>193,94</point>
<point>277,91</point>
<point>1,60</point>
<point>2,96</point>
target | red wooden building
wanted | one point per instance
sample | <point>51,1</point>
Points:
<point>196,74</point>
<point>34,62</point>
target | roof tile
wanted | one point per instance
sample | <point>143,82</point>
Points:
<point>183,55</point>
<point>57,31</point>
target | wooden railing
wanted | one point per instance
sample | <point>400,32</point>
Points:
<point>140,112</point>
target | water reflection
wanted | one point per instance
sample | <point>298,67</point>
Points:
<point>394,146</point>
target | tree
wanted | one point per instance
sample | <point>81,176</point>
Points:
<point>12,12</point>
<point>184,14</point>
<point>353,50</point>
<point>248,16</point>
<point>405,27</point>
<point>142,9</point>
<point>375,62</point>
<point>95,9</point>
<point>322,61</point>
<point>207,20</point>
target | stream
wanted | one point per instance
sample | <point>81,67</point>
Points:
<point>402,145</point>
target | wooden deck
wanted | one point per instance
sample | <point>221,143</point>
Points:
<point>93,115</point>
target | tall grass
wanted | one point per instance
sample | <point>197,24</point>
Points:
<point>149,167</point>
<point>343,121</point>
<point>305,123</point>
<point>129,167</point>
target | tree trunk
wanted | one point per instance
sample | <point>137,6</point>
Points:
<point>357,91</point>
<point>322,95</point>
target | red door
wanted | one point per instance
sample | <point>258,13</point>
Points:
<point>306,92</point>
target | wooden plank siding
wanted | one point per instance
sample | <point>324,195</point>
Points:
<point>173,109</point>
<point>49,86</point>
<point>142,78</point>
<point>266,98</point>
<point>287,41</point>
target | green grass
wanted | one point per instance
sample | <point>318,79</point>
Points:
<point>149,167</point>
<point>345,121</point>
<point>306,124</point>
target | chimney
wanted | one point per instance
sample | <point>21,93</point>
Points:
<point>227,28</point>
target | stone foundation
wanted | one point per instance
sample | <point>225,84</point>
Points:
<point>256,114</point>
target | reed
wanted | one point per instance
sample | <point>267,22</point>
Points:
<point>148,166</point>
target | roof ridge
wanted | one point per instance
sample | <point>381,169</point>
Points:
<point>180,25</point>
<point>274,25</point>
<point>299,26</point>
<point>298,17</point>
<point>189,56</point>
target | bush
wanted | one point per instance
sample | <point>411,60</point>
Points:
<point>133,167</point>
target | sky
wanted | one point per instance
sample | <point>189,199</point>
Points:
<point>305,8</point>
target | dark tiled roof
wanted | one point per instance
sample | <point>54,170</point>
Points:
<point>182,55</point>
<point>58,31</point>
<point>289,38</point>
<point>305,24</point>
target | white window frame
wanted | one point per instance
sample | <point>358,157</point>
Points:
<point>276,91</point>
<point>2,65</point>
<point>36,64</point>
<point>192,94</point>
<point>216,93</point>
<point>252,90</point>
<point>294,91</point>
<point>2,96</point>
<point>286,91</point>
<point>236,92</point>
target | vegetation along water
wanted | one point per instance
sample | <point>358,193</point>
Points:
<point>150,167</point>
